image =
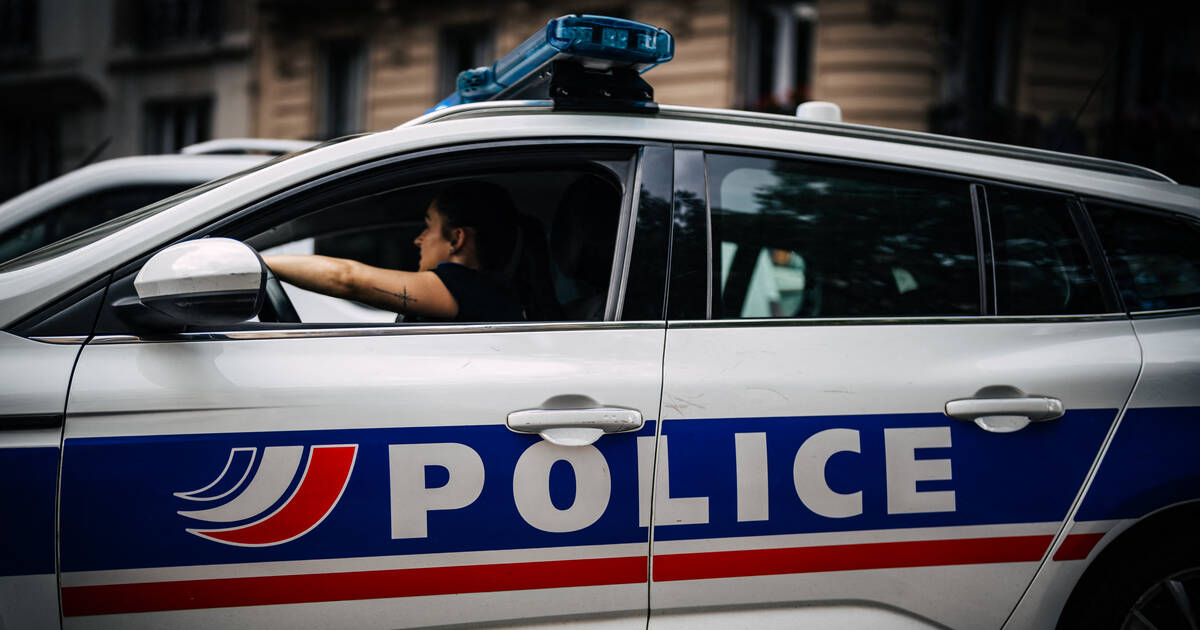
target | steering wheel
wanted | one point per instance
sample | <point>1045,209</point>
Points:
<point>278,306</point>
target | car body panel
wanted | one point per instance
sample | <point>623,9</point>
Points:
<point>35,376</point>
<point>994,501</point>
<point>131,551</point>
<point>1148,467</point>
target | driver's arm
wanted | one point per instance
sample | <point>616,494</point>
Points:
<point>417,293</point>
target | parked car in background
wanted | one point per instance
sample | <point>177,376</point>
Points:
<point>98,192</point>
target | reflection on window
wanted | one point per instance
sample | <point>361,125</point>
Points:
<point>815,240</point>
<point>1041,265</point>
<point>1155,258</point>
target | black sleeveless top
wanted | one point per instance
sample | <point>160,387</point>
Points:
<point>480,297</point>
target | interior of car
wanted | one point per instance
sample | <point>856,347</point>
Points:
<point>560,262</point>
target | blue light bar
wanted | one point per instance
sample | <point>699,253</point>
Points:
<point>594,41</point>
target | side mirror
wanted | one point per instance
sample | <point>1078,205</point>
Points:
<point>206,281</point>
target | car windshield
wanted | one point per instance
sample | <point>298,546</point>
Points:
<point>93,234</point>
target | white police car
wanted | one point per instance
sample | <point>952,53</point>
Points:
<point>778,373</point>
<point>98,192</point>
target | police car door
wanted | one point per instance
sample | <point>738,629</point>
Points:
<point>362,475</point>
<point>808,470</point>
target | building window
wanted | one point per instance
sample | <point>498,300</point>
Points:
<point>341,88</point>
<point>18,30</point>
<point>30,144</point>
<point>777,67</point>
<point>170,23</point>
<point>172,125</point>
<point>979,48</point>
<point>462,47</point>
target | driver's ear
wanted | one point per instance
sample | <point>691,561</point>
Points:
<point>458,237</point>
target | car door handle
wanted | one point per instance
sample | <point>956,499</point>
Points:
<point>1004,409</point>
<point>575,427</point>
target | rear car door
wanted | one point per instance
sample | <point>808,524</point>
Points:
<point>341,474</point>
<point>1140,509</point>
<point>808,470</point>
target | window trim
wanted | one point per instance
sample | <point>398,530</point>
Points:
<point>372,330</point>
<point>614,304</point>
<point>983,249</point>
<point>892,321</point>
<point>654,181</point>
<point>1095,253</point>
<point>1168,312</point>
<point>689,168</point>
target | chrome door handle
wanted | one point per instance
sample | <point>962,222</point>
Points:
<point>577,426</point>
<point>1004,409</point>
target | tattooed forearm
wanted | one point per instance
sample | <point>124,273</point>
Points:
<point>404,297</point>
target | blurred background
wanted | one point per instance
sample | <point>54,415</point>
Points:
<point>83,80</point>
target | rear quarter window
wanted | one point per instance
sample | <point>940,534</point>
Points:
<point>1154,256</point>
<point>1041,265</point>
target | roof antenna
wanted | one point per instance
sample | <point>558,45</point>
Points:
<point>1099,80</point>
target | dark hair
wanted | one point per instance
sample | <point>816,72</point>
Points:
<point>487,209</point>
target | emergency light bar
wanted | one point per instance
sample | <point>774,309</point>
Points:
<point>574,57</point>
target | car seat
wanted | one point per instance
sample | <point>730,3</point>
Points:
<point>528,272</point>
<point>583,242</point>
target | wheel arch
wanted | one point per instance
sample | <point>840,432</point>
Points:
<point>1163,529</point>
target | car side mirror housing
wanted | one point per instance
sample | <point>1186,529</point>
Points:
<point>208,281</point>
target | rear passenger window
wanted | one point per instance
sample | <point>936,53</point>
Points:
<point>1041,265</point>
<point>797,239</point>
<point>1155,257</point>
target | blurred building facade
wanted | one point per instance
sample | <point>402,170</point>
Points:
<point>1087,76</point>
<point>81,79</point>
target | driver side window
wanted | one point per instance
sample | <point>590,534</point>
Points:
<point>558,261</point>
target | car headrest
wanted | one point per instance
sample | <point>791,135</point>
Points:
<point>585,229</point>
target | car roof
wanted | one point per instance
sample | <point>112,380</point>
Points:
<point>986,161</point>
<point>835,128</point>
<point>187,170</point>
<point>236,146</point>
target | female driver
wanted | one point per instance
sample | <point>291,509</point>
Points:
<point>469,230</point>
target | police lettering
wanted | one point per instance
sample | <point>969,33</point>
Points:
<point>411,500</point>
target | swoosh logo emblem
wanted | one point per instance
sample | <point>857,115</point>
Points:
<point>320,487</point>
